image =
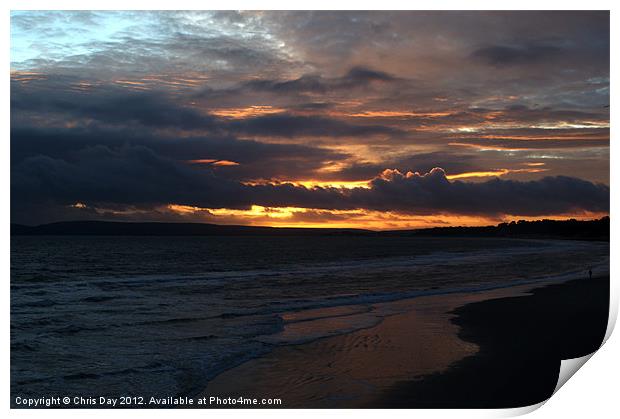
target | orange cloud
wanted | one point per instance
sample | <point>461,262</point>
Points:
<point>247,112</point>
<point>225,163</point>
<point>25,77</point>
<point>397,114</point>
<point>202,161</point>
<point>491,173</point>
<point>214,162</point>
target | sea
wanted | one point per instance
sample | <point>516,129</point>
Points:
<point>161,316</point>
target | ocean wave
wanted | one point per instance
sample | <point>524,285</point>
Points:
<point>168,330</point>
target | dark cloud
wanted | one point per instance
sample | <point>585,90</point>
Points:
<point>501,55</point>
<point>364,74</point>
<point>137,176</point>
<point>156,109</point>
<point>451,162</point>
<point>257,160</point>
<point>432,192</point>
<point>108,104</point>
<point>131,174</point>
<point>307,126</point>
<point>109,108</point>
<point>356,77</point>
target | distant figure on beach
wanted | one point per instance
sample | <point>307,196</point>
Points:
<point>590,272</point>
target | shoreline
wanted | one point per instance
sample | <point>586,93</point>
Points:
<point>383,364</point>
<point>522,342</point>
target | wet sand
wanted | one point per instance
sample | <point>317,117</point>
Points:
<point>457,350</point>
<point>522,341</point>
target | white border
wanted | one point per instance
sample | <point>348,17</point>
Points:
<point>592,393</point>
<point>310,5</point>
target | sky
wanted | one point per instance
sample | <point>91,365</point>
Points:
<point>380,120</point>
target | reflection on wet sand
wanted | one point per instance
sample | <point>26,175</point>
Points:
<point>414,338</point>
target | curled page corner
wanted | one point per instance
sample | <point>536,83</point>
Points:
<point>569,367</point>
<point>518,411</point>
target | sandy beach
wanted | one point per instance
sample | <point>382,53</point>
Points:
<point>522,341</point>
<point>496,348</point>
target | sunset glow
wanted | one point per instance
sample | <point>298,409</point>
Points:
<point>277,118</point>
<point>491,173</point>
<point>375,220</point>
<point>250,111</point>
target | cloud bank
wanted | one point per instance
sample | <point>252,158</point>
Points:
<point>500,113</point>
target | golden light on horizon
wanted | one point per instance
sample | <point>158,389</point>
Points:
<point>184,209</point>
<point>258,215</point>
<point>258,211</point>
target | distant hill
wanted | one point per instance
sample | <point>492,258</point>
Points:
<point>567,229</point>
<point>110,228</point>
